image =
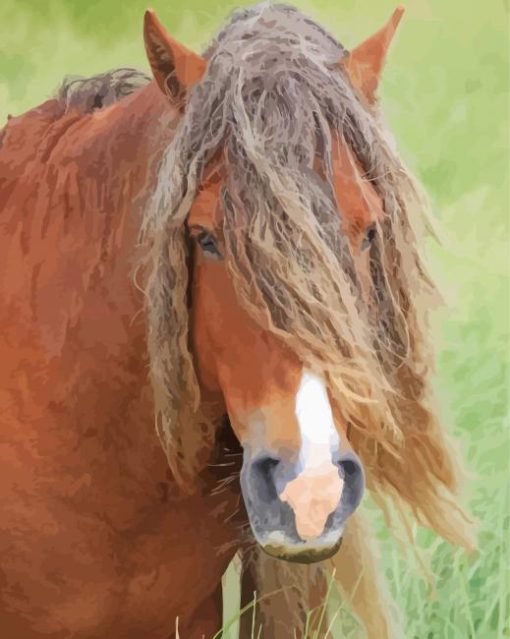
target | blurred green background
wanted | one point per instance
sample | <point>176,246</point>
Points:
<point>445,96</point>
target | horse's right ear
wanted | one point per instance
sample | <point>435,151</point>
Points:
<point>175,68</point>
<point>365,63</point>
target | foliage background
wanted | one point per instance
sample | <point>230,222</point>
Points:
<point>445,96</point>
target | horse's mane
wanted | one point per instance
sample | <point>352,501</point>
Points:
<point>274,98</point>
<point>101,90</point>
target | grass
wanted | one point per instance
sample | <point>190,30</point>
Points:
<point>446,99</point>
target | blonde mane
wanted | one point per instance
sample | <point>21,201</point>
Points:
<point>273,99</point>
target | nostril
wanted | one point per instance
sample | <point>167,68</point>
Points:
<point>349,464</point>
<point>266,465</point>
<point>349,468</point>
<point>353,476</point>
<point>263,477</point>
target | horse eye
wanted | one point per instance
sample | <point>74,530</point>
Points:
<point>208,244</point>
<point>369,237</point>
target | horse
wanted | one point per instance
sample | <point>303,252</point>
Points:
<point>213,336</point>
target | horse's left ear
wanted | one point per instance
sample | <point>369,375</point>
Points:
<point>365,63</point>
<point>175,68</point>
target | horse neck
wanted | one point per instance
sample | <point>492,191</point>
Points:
<point>111,181</point>
<point>129,139</point>
<point>72,204</point>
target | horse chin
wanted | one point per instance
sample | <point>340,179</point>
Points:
<point>276,544</point>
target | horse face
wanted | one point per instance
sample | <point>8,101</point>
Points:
<point>300,480</point>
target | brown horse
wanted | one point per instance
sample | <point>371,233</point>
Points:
<point>276,332</point>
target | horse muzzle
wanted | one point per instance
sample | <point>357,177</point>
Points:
<point>299,514</point>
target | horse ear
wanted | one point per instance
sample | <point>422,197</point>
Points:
<point>365,63</point>
<point>175,68</point>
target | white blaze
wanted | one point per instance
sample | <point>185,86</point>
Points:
<point>319,436</point>
<point>315,492</point>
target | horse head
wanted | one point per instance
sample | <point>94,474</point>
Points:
<point>271,298</point>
